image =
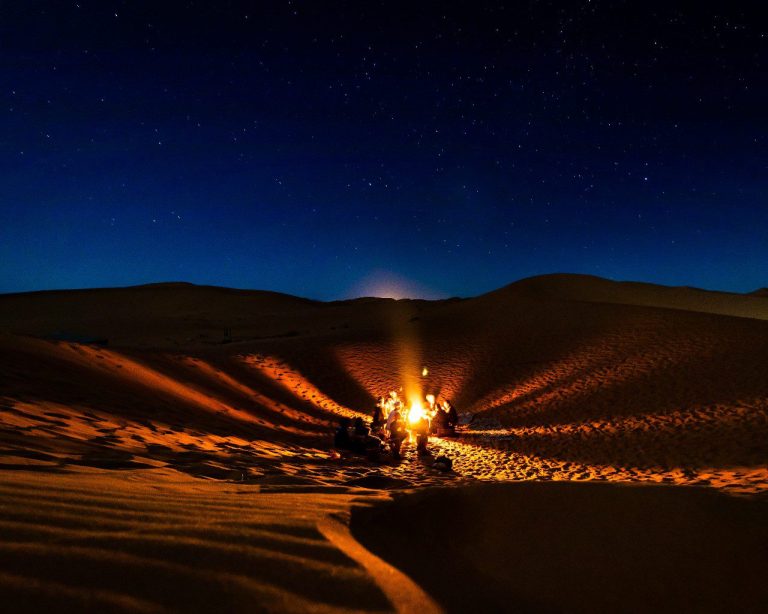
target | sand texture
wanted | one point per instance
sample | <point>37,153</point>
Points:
<point>167,448</point>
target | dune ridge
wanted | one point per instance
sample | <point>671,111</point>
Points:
<point>589,288</point>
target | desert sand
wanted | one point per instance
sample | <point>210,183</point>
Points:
<point>168,448</point>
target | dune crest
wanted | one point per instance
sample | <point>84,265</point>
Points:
<point>571,287</point>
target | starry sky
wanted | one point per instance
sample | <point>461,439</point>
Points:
<point>333,149</point>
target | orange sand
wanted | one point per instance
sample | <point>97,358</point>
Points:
<point>127,414</point>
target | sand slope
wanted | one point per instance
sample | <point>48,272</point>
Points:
<point>598,290</point>
<point>217,406</point>
<point>160,542</point>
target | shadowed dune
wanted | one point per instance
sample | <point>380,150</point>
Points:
<point>598,290</point>
<point>168,404</point>
<point>520,547</point>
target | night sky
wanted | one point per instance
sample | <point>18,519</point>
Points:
<point>331,149</point>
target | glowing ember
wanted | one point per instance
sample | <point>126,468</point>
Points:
<point>424,372</point>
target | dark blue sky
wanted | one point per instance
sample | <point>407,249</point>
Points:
<point>323,148</point>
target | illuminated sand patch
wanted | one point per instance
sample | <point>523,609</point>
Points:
<point>86,437</point>
<point>496,461</point>
<point>601,364</point>
<point>376,367</point>
<point>373,366</point>
<point>264,401</point>
<point>695,445</point>
<point>722,447</point>
<point>132,377</point>
<point>128,368</point>
<point>139,542</point>
<point>290,379</point>
<point>604,451</point>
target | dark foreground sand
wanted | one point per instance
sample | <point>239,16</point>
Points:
<point>167,448</point>
<point>533,547</point>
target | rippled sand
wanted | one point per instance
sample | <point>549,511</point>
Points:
<point>168,447</point>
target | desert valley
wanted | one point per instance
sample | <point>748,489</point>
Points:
<point>169,448</point>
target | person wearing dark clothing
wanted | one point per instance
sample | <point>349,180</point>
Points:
<point>438,421</point>
<point>452,419</point>
<point>341,438</point>
<point>359,428</point>
<point>378,418</point>
<point>362,440</point>
<point>421,428</point>
<point>359,435</point>
<point>396,432</point>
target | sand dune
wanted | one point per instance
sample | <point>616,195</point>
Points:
<point>158,542</point>
<point>598,290</point>
<point>166,447</point>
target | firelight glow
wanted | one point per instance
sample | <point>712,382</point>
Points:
<point>416,412</point>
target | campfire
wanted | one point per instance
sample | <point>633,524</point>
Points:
<point>414,410</point>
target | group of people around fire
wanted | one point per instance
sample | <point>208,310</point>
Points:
<point>390,424</point>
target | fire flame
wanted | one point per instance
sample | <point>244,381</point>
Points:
<point>413,413</point>
<point>416,413</point>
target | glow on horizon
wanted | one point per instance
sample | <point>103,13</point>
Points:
<point>384,284</point>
